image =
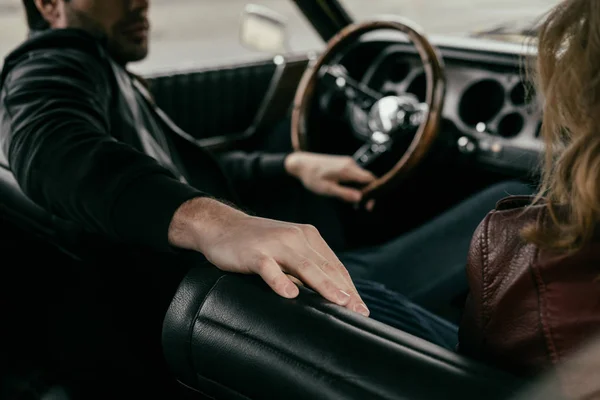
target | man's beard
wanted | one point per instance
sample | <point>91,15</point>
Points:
<point>79,20</point>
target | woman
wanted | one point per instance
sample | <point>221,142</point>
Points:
<point>534,263</point>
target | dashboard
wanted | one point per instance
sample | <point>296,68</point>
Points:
<point>490,107</point>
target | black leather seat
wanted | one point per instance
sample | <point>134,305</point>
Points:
<point>230,337</point>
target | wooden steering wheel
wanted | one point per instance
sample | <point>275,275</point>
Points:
<point>389,117</point>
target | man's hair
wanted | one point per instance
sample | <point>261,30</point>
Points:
<point>35,20</point>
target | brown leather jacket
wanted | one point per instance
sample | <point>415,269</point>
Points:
<point>528,308</point>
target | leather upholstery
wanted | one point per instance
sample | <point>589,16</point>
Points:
<point>528,308</point>
<point>230,337</point>
<point>216,101</point>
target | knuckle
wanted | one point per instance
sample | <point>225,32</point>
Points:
<point>340,267</point>
<point>279,282</point>
<point>262,262</point>
<point>327,267</point>
<point>349,163</point>
<point>309,229</point>
<point>304,264</point>
<point>329,287</point>
<point>347,168</point>
<point>290,233</point>
<point>295,230</point>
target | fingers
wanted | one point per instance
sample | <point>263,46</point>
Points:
<point>352,172</point>
<point>341,277</point>
<point>296,281</point>
<point>333,267</point>
<point>271,273</point>
<point>309,272</point>
<point>347,194</point>
<point>370,205</point>
<point>301,257</point>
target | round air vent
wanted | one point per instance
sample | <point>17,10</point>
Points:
<point>481,102</point>
<point>511,125</point>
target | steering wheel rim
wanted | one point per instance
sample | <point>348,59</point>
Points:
<point>436,87</point>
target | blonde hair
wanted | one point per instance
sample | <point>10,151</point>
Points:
<point>568,78</point>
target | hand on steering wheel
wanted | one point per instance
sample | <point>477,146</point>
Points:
<point>389,117</point>
<point>329,175</point>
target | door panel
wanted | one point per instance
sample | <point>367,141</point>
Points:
<point>226,105</point>
<point>214,102</point>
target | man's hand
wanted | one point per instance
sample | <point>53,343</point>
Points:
<point>236,242</point>
<point>326,174</point>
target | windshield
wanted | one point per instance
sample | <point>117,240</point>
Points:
<point>456,17</point>
<point>206,32</point>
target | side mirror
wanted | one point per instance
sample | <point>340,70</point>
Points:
<point>263,30</point>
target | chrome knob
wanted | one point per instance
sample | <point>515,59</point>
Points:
<point>466,145</point>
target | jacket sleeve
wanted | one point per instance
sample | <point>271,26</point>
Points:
<point>56,134</point>
<point>471,330</point>
<point>247,171</point>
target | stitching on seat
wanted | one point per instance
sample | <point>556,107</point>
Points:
<point>288,356</point>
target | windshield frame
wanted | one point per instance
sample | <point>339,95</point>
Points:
<point>327,17</point>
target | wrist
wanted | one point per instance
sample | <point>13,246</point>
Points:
<point>199,222</point>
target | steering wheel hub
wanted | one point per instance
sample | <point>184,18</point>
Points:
<point>391,113</point>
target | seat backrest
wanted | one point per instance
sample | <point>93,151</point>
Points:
<point>231,337</point>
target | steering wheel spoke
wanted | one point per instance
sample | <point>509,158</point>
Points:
<point>378,144</point>
<point>384,123</point>
<point>336,78</point>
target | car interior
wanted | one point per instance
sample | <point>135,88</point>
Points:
<point>229,336</point>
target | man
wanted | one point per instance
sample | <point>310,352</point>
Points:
<point>85,144</point>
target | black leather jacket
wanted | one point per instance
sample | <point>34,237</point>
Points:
<point>87,144</point>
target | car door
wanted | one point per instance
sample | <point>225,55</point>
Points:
<point>210,82</point>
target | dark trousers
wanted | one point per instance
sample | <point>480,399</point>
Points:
<point>404,280</point>
<point>408,280</point>
<point>427,265</point>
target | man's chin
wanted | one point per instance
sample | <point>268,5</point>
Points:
<point>138,55</point>
<point>130,54</point>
